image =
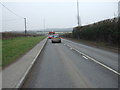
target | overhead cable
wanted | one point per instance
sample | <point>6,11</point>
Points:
<point>10,10</point>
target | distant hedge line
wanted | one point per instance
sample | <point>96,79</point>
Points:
<point>9,35</point>
<point>105,31</point>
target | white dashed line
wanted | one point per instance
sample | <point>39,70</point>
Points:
<point>84,57</point>
<point>96,61</point>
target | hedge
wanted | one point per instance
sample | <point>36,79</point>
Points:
<point>105,31</point>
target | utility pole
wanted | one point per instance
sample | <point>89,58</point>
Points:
<point>78,12</point>
<point>25,26</point>
<point>44,25</point>
<point>78,18</point>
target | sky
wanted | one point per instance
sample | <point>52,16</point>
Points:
<point>54,14</point>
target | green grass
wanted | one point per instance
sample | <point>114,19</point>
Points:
<point>12,49</point>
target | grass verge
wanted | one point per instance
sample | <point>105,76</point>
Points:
<point>14,48</point>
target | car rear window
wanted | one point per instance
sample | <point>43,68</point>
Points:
<point>56,36</point>
<point>51,35</point>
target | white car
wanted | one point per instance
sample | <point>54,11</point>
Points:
<point>56,38</point>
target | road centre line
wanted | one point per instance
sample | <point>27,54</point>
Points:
<point>84,57</point>
<point>96,61</point>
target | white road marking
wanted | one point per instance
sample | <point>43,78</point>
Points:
<point>68,45</point>
<point>96,61</point>
<point>55,44</point>
<point>73,42</point>
<point>18,85</point>
<point>84,57</point>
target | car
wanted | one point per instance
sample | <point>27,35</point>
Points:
<point>50,36</point>
<point>56,38</point>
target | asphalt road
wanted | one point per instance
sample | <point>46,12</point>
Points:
<point>108,58</point>
<point>60,66</point>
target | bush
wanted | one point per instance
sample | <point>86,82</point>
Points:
<point>106,31</point>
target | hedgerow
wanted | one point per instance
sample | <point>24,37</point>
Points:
<point>105,31</point>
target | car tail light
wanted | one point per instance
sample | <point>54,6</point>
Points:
<point>52,37</point>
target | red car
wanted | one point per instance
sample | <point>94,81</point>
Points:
<point>50,36</point>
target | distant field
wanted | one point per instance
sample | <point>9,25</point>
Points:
<point>16,47</point>
<point>10,35</point>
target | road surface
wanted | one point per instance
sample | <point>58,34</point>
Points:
<point>73,65</point>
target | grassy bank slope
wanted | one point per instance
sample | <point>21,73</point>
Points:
<point>14,48</point>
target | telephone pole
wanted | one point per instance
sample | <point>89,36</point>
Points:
<point>78,18</point>
<point>25,26</point>
<point>44,25</point>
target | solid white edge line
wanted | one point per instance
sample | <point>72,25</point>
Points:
<point>28,69</point>
<point>86,56</point>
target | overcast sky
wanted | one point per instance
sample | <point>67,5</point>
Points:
<point>53,14</point>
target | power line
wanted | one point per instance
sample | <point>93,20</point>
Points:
<point>16,15</point>
<point>10,10</point>
<point>7,20</point>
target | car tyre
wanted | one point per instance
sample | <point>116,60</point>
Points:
<point>52,42</point>
<point>60,41</point>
